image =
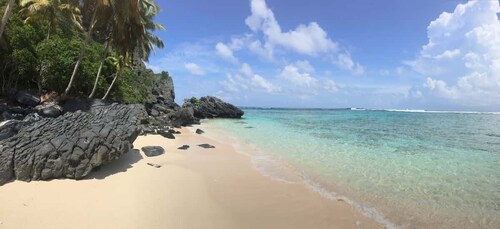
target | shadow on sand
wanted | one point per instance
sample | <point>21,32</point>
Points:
<point>119,166</point>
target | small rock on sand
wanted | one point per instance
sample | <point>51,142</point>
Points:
<point>199,131</point>
<point>153,151</point>
<point>184,147</point>
<point>154,165</point>
<point>206,146</point>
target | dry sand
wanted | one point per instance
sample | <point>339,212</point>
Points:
<point>196,188</point>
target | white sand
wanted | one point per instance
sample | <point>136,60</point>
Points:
<point>196,188</point>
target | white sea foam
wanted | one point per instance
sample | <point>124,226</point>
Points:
<point>367,211</point>
<point>442,112</point>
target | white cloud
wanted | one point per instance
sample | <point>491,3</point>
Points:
<point>260,82</point>
<point>154,68</point>
<point>225,52</point>
<point>461,61</point>
<point>330,86</point>
<point>345,61</point>
<point>247,80</point>
<point>302,79</point>
<point>308,39</point>
<point>194,69</point>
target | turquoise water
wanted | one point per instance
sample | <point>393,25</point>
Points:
<point>405,169</point>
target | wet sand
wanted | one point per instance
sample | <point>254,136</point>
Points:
<point>193,188</point>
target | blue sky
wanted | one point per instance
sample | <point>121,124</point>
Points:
<point>427,54</point>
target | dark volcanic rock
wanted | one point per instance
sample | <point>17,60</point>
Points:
<point>9,128</point>
<point>206,146</point>
<point>184,147</point>
<point>212,107</point>
<point>71,145</point>
<point>199,131</point>
<point>154,165</point>
<point>183,117</point>
<point>166,134</point>
<point>153,151</point>
<point>26,98</point>
<point>50,110</point>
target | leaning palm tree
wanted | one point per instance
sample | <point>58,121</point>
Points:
<point>132,30</point>
<point>6,15</point>
<point>101,14</point>
<point>121,63</point>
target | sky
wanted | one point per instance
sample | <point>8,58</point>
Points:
<point>385,54</point>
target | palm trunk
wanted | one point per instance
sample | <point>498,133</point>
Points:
<point>112,83</point>
<point>103,58</point>
<point>82,53</point>
<point>6,16</point>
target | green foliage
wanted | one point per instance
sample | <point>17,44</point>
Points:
<point>132,89</point>
<point>29,57</point>
<point>193,100</point>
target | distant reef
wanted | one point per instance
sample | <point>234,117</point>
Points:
<point>47,137</point>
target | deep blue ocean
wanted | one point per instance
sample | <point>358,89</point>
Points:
<point>405,169</point>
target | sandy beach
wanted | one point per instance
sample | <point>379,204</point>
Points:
<point>194,188</point>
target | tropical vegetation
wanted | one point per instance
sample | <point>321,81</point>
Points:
<point>78,48</point>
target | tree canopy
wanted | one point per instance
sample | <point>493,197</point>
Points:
<point>78,47</point>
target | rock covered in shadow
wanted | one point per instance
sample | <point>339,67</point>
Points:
<point>184,147</point>
<point>206,146</point>
<point>26,98</point>
<point>153,151</point>
<point>166,134</point>
<point>10,128</point>
<point>71,145</point>
<point>199,131</point>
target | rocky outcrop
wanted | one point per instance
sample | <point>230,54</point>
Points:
<point>212,107</point>
<point>71,145</point>
<point>163,111</point>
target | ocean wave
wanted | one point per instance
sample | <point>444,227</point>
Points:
<point>367,211</point>
<point>270,167</point>
<point>440,112</point>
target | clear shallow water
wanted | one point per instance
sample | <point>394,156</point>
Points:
<point>410,169</point>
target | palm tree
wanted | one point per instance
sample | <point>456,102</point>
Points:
<point>103,58</point>
<point>101,14</point>
<point>121,63</point>
<point>53,12</point>
<point>6,15</point>
<point>132,30</point>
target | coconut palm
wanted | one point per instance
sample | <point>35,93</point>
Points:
<point>53,12</point>
<point>120,63</point>
<point>103,58</point>
<point>132,30</point>
<point>101,14</point>
<point>6,15</point>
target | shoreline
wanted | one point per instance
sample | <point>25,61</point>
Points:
<point>195,188</point>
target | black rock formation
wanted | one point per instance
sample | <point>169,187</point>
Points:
<point>184,147</point>
<point>71,145</point>
<point>27,99</point>
<point>199,131</point>
<point>153,151</point>
<point>206,146</point>
<point>212,107</point>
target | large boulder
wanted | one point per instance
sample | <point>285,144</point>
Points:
<point>71,145</point>
<point>212,107</point>
<point>27,99</point>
